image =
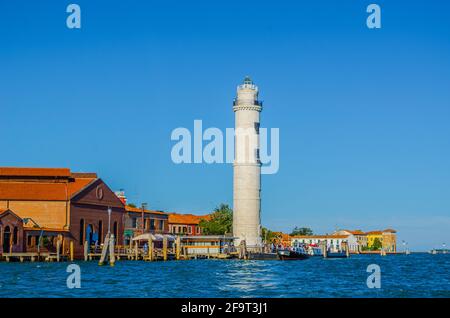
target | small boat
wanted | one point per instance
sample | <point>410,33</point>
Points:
<point>296,253</point>
<point>339,254</point>
<point>262,256</point>
<point>336,253</point>
<point>314,250</point>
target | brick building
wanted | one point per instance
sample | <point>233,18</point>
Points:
<point>139,221</point>
<point>60,204</point>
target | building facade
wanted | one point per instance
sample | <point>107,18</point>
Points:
<point>389,237</point>
<point>206,245</point>
<point>139,221</point>
<point>361,238</point>
<point>247,166</point>
<point>357,239</point>
<point>58,204</point>
<point>186,224</point>
<point>333,242</point>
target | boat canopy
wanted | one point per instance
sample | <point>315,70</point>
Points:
<point>153,237</point>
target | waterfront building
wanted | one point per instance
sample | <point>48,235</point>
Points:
<point>247,166</point>
<point>282,239</point>
<point>357,239</point>
<point>49,204</point>
<point>138,221</point>
<point>186,224</point>
<point>372,236</point>
<point>207,245</point>
<point>389,237</point>
<point>333,242</point>
<point>361,238</point>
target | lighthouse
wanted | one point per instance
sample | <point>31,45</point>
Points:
<point>247,166</point>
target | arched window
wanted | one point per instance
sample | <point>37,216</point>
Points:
<point>15,235</point>
<point>100,231</point>
<point>6,239</point>
<point>82,232</point>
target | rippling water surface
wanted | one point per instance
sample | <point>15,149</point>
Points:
<point>415,275</point>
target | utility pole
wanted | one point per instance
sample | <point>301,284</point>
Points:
<point>143,207</point>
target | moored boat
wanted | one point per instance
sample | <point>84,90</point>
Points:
<point>338,254</point>
<point>439,251</point>
<point>295,253</point>
<point>314,250</point>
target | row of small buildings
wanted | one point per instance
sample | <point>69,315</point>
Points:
<point>50,204</point>
<point>356,240</point>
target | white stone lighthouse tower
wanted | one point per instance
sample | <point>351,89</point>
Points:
<point>247,166</point>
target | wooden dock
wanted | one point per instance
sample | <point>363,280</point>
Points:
<point>33,257</point>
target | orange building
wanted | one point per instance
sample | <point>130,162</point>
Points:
<point>387,238</point>
<point>186,223</point>
<point>60,205</point>
<point>281,238</point>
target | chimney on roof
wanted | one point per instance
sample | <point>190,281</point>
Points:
<point>121,195</point>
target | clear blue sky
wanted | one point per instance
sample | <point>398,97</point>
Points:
<point>363,114</point>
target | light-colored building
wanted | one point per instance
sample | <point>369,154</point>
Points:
<point>247,166</point>
<point>207,245</point>
<point>357,239</point>
<point>333,242</point>
<point>361,238</point>
<point>389,237</point>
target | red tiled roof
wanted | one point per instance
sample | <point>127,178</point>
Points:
<point>34,172</point>
<point>2,211</point>
<point>390,231</point>
<point>374,233</point>
<point>34,191</point>
<point>139,210</point>
<point>175,218</point>
<point>79,184</point>
<point>357,232</point>
<point>41,190</point>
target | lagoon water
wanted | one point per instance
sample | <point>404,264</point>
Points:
<point>415,275</point>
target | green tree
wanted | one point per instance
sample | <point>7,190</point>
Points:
<point>220,222</point>
<point>301,231</point>
<point>132,205</point>
<point>376,245</point>
<point>268,236</point>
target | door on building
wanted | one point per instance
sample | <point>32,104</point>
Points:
<point>7,240</point>
<point>89,233</point>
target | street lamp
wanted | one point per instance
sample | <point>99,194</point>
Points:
<point>109,220</point>
<point>25,221</point>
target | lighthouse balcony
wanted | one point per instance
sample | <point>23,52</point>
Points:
<point>256,102</point>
